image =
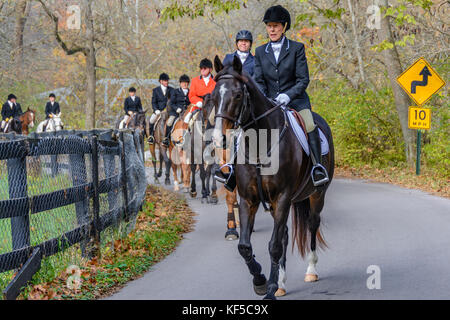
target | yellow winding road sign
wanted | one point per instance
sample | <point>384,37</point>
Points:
<point>420,81</point>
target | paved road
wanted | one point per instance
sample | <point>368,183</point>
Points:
<point>406,233</point>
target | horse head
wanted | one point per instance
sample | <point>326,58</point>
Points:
<point>230,98</point>
<point>57,122</point>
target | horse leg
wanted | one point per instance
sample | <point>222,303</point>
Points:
<point>317,201</point>
<point>207,182</point>
<point>203,178</point>
<point>161,160</point>
<point>247,216</point>
<point>153,155</point>
<point>168,163</point>
<point>280,215</point>
<point>214,198</point>
<point>282,273</point>
<point>231,233</point>
<point>193,185</point>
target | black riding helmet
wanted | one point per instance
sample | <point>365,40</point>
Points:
<point>164,77</point>
<point>278,14</point>
<point>244,35</point>
<point>185,78</point>
<point>206,63</point>
<point>11,96</point>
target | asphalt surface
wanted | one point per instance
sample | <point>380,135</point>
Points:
<point>406,233</point>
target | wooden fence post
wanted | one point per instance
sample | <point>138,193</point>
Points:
<point>17,187</point>
<point>109,164</point>
<point>124,180</point>
<point>79,177</point>
<point>95,233</point>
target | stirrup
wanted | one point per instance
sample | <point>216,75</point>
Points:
<point>151,140</point>
<point>166,142</point>
<point>320,182</point>
<point>228,179</point>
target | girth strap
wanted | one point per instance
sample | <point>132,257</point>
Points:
<point>260,189</point>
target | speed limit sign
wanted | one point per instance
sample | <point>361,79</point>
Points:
<point>419,118</point>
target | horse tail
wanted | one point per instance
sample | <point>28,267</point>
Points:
<point>301,235</point>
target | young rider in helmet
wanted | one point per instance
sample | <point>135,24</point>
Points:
<point>244,41</point>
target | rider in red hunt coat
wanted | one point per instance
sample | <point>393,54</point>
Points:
<point>200,87</point>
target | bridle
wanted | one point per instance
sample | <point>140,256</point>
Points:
<point>239,121</point>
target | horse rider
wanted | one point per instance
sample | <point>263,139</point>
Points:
<point>281,71</point>
<point>52,107</point>
<point>10,110</point>
<point>160,98</point>
<point>179,101</point>
<point>132,105</point>
<point>244,41</point>
<point>200,87</point>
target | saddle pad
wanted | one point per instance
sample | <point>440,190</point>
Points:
<point>301,136</point>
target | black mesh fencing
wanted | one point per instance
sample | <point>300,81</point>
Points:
<point>65,188</point>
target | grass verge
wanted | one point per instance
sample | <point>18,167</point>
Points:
<point>159,228</point>
<point>405,177</point>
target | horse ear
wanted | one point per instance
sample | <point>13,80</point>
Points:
<point>237,65</point>
<point>218,64</point>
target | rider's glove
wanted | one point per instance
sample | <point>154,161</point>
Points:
<point>199,104</point>
<point>50,115</point>
<point>179,110</point>
<point>283,99</point>
<point>157,112</point>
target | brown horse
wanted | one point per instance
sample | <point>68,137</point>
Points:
<point>27,118</point>
<point>178,154</point>
<point>164,156</point>
<point>240,104</point>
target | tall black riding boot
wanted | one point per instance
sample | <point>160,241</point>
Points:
<point>319,174</point>
<point>166,140</point>
<point>151,139</point>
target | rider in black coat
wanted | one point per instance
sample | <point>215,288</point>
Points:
<point>11,109</point>
<point>179,102</point>
<point>52,107</point>
<point>281,71</point>
<point>160,98</point>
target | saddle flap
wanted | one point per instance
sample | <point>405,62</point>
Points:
<point>299,128</point>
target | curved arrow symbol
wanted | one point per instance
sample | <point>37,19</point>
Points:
<point>425,73</point>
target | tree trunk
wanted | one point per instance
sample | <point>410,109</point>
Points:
<point>356,42</point>
<point>402,101</point>
<point>91,72</point>
<point>20,15</point>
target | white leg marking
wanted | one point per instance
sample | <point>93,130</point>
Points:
<point>312,260</point>
<point>282,278</point>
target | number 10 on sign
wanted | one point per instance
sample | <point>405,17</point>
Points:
<point>419,118</point>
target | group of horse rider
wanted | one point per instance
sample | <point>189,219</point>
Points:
<point>279,68</point>
<point>12,110</point>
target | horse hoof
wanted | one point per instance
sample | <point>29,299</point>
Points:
<point>214,200</point>
<point>159,174</point>
<point>231,235</point>
<point>280,292</point>
<point>204,200</point>
<point>261,289</point>
<point>311,278</point>
<point>186,190</point>
<point>193,194</point>
<point>167,182</point>
<point>269,297</point>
